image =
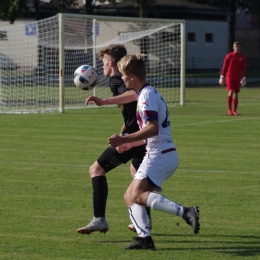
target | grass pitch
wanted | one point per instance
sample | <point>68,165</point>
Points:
<point>46,193</point>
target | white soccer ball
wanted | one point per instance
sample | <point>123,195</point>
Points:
<point>85,77</point>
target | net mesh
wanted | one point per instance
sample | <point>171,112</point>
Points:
<point>29,70</point>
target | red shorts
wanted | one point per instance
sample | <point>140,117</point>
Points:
<point>233,85</point>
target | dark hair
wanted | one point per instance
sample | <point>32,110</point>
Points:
<point>116,51</point>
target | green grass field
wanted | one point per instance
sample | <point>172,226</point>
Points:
<point>46,192</point>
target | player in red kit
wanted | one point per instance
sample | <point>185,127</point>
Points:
<point>234,65</point>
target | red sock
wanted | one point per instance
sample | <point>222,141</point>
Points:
<point>235,102</point>
<point>229,101</point>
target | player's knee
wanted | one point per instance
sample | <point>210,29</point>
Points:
<point>127,199</point>
<point>135,198</point>
<point>131,198</point>
<point>132,170</point>
<point>91,170</point>
<point>96,170</point>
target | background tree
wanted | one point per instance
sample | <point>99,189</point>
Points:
<point>36,5</point>
<point>253,7</point>
<point>59,6</point>
<point>249,6</point>
<point>142,5</point>
<point>88,7</point>
<point>11,9</point>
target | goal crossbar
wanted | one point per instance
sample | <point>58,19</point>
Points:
<point>41,58</point>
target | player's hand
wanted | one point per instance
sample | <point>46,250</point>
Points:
<point>124,147</point>
<point>243,82</point>
<point>222,81</point>
<point>96,100</point>
<point>115,141</point>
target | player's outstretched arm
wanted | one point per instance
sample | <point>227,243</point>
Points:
<point>126,97</point>
<point>96,100</point>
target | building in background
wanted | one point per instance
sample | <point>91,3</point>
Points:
<point>207,28</point>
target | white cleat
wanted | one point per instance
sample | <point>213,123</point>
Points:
<point>150,224</point>
<point>96,224</point>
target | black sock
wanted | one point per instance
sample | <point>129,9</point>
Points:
<point>148,211</point>
<point>100,193</point>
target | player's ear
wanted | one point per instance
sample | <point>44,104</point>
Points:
<point>111,62</point>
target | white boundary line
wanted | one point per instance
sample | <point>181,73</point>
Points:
<point>203,171</point>
<point>123,166</point>
<point>218,121</point>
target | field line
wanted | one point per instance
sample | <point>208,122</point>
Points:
<point>225,172</point>
<point>122,166</point>
<point>217,121</point>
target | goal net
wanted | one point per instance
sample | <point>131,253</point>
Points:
<point>38,59</point>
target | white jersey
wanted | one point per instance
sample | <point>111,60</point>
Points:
<point>151,106</point>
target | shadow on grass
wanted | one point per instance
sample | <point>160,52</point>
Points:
<point>232,247</point>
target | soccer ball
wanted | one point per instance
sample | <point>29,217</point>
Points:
<point>85,77</point>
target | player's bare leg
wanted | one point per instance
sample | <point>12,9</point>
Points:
<point>131,226</point>
<point>138,216</point>
<point>140,192</point>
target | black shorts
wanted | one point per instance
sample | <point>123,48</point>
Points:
<point>111,158</point>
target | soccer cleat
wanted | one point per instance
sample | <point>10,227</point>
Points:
<point>141,243</point>
<point>234,113</point>
<point>150,224</point>
<point>230,112</point>
<point>191,216</point>
<point>131,227</point>
<point>96,224</point>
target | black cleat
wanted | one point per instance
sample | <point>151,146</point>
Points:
<point>141,243</point>
<point>191,216</point>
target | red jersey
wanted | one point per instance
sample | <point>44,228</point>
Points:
<point>234,64</point>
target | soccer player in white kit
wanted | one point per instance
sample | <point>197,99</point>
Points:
<point>160,161</point>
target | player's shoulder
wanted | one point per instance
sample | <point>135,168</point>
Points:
<point>116,84</point>
<point>116,77</point>
<point>148,93</point>
<point>147,90</point>
<point>229,55</point>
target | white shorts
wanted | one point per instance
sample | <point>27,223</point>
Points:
<point>157,166</point>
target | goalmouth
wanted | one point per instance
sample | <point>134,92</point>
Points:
<point>36,71</point>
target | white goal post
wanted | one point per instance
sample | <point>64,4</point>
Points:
<point>38,59</point>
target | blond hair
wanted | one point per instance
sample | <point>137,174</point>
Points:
<point>133,64</point>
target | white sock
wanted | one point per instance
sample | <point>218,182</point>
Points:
<point>138,217</point>
<point>158,202</point>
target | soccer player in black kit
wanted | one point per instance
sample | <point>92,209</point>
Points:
<point>126,99</point>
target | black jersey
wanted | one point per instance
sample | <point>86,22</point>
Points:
<point>118,87</point>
